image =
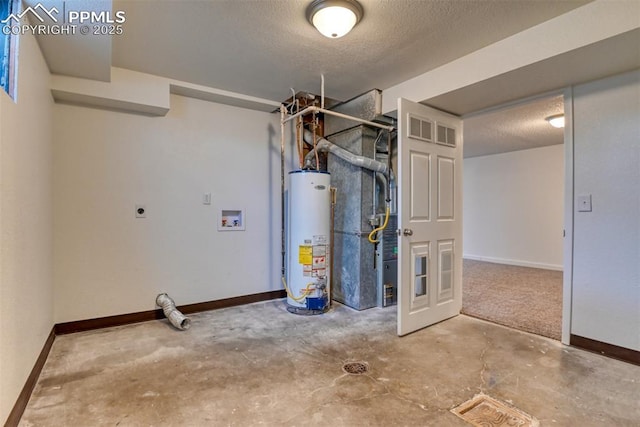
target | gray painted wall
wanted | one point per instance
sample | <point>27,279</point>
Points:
<point>108,262</point>
<point>606,276</point>
<point>26,265</point>
<point>513,207</point>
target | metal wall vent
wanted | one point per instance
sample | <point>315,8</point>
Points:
<point>446,136</point>
<point>420,128</point>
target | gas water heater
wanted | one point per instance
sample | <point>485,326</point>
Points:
<point>309,242</point>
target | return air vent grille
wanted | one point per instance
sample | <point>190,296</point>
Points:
<point>446,136</point>
<point>420,128</point>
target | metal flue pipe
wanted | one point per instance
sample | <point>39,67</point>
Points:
<point>323,144</point>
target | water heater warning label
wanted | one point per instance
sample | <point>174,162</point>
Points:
<point>319,250</point>
<point>305,254</point>
<point>306,270</point>
<point>319,240</point>
<point>319,262</point>
<point>313,258</point>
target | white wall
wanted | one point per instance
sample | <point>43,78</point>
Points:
<point>513,207</point>
<point>606,275</point>
<point>107,262</point>
<point>26,300</point>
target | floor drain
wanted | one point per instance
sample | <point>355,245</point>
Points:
<point>355,368</point>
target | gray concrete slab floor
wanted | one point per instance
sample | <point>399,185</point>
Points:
<point>260,365</point>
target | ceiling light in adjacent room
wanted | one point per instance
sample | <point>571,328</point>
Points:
<point>334,18</point>
<point>556,121</point>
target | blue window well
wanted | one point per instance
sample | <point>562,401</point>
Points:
<point>9,46</point>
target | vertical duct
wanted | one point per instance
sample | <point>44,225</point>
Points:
<point>354,273</point>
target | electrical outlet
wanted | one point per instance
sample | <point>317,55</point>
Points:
<point>584,203</point>
<point>206,199</point>
<point>141,211</point>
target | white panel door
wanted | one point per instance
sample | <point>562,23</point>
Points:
<point>429,216</point>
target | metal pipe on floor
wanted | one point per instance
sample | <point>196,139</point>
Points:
<point>176,318</point>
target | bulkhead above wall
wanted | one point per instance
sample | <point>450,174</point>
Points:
<point>146,94</point>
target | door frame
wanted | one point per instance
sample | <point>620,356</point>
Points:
<point>567,256</point>
<point>568,243</point>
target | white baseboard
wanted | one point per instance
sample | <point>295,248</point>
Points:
<point>517,262</point>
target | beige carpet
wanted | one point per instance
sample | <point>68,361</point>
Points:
<point>528,299</point>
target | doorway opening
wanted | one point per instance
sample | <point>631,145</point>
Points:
<point>513,216</point>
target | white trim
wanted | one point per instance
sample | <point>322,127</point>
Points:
<point>567,256</point>
<point>517,262</point>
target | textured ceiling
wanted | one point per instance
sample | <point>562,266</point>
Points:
<point>262,48</point>
<point>614,55</point>
<point>88,55</point>
<point>517,127</point>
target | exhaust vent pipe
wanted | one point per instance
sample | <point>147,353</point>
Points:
<point>323,145</point>
<point>177,319</point>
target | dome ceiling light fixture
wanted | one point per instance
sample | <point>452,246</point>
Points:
<point>557,121</point>
<point>334,18</point>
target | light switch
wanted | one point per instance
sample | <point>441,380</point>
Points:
<point>206,199</point>
<point>584,203</point>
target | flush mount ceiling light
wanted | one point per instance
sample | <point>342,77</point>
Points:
<point>556,121</point>
<point>334,18</point>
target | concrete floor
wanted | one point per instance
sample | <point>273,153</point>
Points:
<point>260,365</point>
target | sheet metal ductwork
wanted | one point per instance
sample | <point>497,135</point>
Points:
<point>361,173</point>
